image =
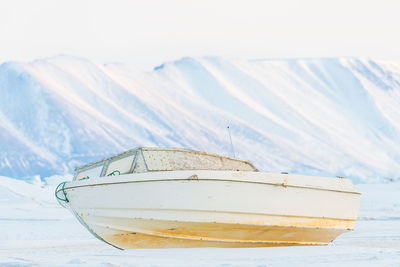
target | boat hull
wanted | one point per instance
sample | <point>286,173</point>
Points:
<point>214,209</point>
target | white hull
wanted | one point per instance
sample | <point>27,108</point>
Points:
<point>214,208</point>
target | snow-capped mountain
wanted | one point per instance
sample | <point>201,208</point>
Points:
<point>337,116</point>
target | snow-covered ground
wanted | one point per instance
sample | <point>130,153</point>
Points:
<point>36,231</point>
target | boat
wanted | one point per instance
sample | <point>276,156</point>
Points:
<point>170,198</point>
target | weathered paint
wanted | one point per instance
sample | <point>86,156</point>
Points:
<point>184,198</point>
<point>137,233</point>
<point>168,160</point>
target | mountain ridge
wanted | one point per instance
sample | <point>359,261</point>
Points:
<point>328,116</point>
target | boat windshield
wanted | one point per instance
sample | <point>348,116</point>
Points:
<point>160,159</point>
<point>94,171</point>
<point>120,166</point>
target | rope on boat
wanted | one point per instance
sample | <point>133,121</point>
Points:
<point>114,172</point>
<point>87,177</point>
<point>65,194</point>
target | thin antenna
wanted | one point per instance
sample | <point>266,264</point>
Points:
<point>230,138</point>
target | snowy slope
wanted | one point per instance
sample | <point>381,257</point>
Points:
<point>338,116</point>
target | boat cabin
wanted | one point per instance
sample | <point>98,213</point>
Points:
<point>160,159</point>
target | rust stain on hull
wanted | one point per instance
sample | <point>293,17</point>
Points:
<point>140,233</point>
<point>126,240</point>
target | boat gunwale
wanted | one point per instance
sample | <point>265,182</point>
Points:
<point>103,183</point>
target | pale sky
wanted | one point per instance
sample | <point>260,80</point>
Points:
<point>147,33</point>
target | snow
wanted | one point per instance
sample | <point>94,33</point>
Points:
<point>37,231</point>
<point>327,116</point>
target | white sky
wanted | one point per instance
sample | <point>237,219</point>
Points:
<point>147,33</point>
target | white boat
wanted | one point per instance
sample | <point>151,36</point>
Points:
<point>161,198</point>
